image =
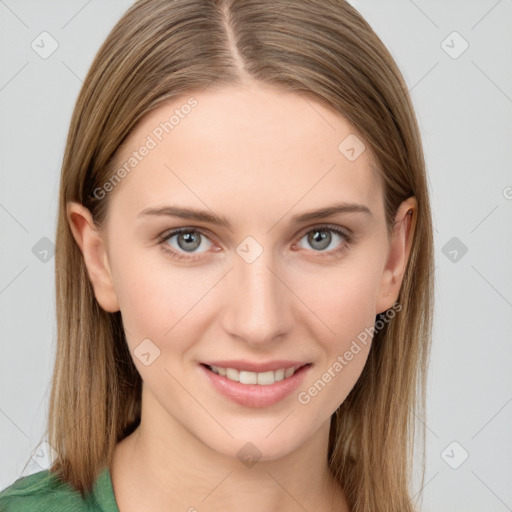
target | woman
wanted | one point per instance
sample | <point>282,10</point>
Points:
<point>244,268</point>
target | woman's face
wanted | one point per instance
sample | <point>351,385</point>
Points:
<point>256,279</point>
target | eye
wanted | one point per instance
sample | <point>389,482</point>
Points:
<point>325,237</point>
<point>182,241</point>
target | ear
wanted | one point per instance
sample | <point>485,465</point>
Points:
<point>93,248</point>
<point>398,256</point>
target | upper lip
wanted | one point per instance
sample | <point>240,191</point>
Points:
<point>248,366</point>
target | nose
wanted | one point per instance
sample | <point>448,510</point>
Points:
<point>258,305</point>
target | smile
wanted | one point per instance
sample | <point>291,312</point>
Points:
<point>256,389</point>
<point>261,378</point>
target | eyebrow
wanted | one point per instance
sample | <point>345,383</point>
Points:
<point>211,218</point>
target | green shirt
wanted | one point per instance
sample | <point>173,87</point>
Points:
<point>44,492</point>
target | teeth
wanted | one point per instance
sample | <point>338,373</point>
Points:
<point>263,378</point>
<point>231,373</point>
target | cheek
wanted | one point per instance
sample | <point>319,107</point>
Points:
<point>349,311</point>
<point>157,298</point>
<point>343,297</point>
<point>344,301</point>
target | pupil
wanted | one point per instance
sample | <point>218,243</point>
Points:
<point>191,241</point>
<point>321,236</point>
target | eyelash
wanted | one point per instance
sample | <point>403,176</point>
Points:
<point>338,252</point>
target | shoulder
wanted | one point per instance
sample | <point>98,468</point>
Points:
<point>41,492</point>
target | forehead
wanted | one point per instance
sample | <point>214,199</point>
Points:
<point>254,148</point>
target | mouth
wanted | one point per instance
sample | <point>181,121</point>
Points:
<point>261,378</point>
<point>255,389</point>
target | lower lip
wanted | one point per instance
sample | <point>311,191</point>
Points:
<point>255,395</point>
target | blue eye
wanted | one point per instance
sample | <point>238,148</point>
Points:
<point>321,238</point>
<point>186,241</point>
<point>182,244</point>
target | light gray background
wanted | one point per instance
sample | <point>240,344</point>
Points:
<point>464,106</point>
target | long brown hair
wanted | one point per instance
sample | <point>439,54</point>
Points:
<point>161,49</point>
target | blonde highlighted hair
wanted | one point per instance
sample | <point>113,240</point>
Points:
<point>161,49</point>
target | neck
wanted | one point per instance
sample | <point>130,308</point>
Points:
<point>162,466</point>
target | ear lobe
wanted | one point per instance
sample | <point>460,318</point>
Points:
<point>92,245</point>
<point>400,247</point>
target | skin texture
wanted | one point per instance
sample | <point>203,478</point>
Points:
<point>256,155</point>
